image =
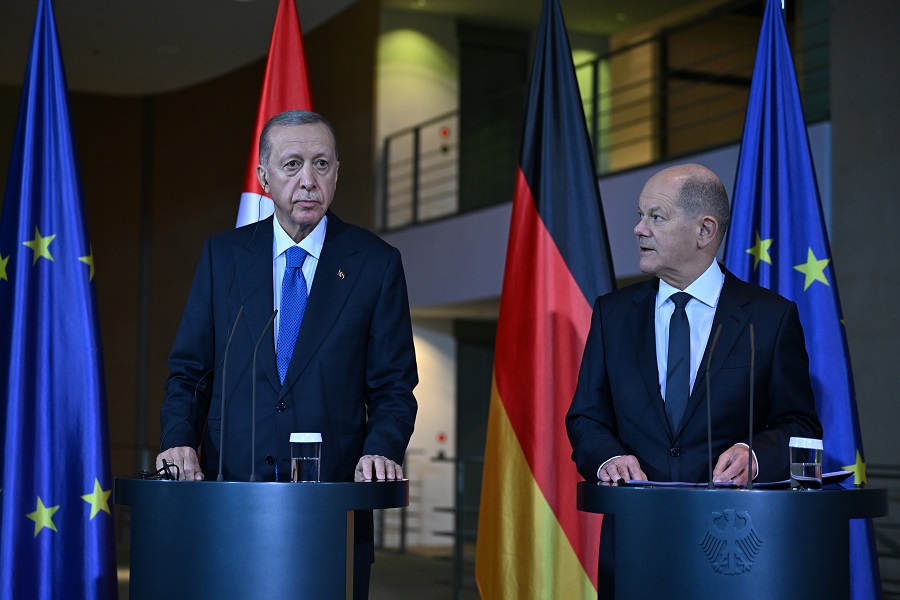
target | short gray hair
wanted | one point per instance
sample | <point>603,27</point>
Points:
<point>290,118</point>
<point>705,195</point>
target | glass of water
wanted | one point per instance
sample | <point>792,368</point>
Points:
<point>306,452</point>
<point>806,463</point>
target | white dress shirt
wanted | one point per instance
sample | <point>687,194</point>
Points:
<point>701,310</point>
<point>281,242</point>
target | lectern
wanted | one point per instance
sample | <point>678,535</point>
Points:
<point>212,539</point>
<point>731,543</point>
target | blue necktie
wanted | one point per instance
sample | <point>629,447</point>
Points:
<point>293,305</point>
<point>678,368</point>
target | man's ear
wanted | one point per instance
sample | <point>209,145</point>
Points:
<point>261,175</point>
<point>708,232</point>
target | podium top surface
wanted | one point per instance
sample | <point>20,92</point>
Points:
<point>855,503</point>
<point>342,496</point>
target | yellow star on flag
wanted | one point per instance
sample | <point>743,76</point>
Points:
<point>89,261</point>
<point>859,470</point>
<point>814,269</point>
<point>3,262</point>
<point>760,251</point>
<point>40,245</point>
<point>43,516</point>
<point>98,499</point>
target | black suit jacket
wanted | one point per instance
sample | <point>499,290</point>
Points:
<point>351,375</point>
<point>618,408</point>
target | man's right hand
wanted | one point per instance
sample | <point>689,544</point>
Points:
<point>185,459</point>
<point>622,467</point>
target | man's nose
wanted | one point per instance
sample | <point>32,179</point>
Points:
<point>307,181</point>
<point>640,229</point>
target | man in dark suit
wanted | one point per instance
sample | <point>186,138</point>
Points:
<point>343,365</point>
<point>639,410</point>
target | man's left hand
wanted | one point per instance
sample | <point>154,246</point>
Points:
<point>373,467</point>
<point>732,465</point>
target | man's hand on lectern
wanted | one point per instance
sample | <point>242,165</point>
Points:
<point>621,467</point>
<point>373,467</point>
<point>732,465</point>
<point>185,459</point>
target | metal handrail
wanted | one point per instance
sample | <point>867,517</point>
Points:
<point>616,121</point>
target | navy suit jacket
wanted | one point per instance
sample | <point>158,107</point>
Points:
<point>618,408</point>
<point>351,375</point>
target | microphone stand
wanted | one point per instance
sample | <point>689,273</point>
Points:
<point>253,399</point>
<point>750,436</point>
<point>711,485</point>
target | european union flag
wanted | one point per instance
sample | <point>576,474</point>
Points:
<point>778,239</point>
<point>56,533</point>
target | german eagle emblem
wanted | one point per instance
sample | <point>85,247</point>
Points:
<point>730,544</point>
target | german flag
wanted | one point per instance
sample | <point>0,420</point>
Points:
<point>532,541</point>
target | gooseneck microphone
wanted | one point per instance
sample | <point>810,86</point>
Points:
<point>224,370</point>
<point>709,406</point>
<point>253,399</point>
<point>750,435</point>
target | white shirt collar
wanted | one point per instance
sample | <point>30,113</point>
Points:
<point>312,243</point>
<point>705,288</point>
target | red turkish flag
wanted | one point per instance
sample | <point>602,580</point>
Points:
<point>285,87</point>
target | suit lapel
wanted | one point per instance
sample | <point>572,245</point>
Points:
<point>731,316</point>
<point>643,326</point>
<point>336,274</point>
<point>254,288</point>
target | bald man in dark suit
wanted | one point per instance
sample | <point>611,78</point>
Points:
<point>622,422</point>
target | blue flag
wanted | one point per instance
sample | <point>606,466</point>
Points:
<point>778,239</point>
<point>56,532</point>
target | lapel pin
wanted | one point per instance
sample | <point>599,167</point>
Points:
<point>340,274</point>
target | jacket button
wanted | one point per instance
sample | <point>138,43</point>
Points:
<point>281,407</point>
<point>674,451</point>
<point>270,460</point>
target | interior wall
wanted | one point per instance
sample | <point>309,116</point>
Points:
<point>866,183</point>
<point>427,463</point>
<point>340,59</point>
<point>108,145</point>
<point>417,70</point>
<point>494,71</point>
<point>9,109</point>
<point>475,373</point>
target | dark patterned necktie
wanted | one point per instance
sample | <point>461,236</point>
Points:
<point>678,369</point>
<point>293,305</point>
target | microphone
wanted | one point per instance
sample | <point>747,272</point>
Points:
<point>750,436</point>
<point>253,400</point>
<point>709,406</point>
<point>224,369</point>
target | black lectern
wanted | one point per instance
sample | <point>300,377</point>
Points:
<point>701,543</point>
<point>211,539</point>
